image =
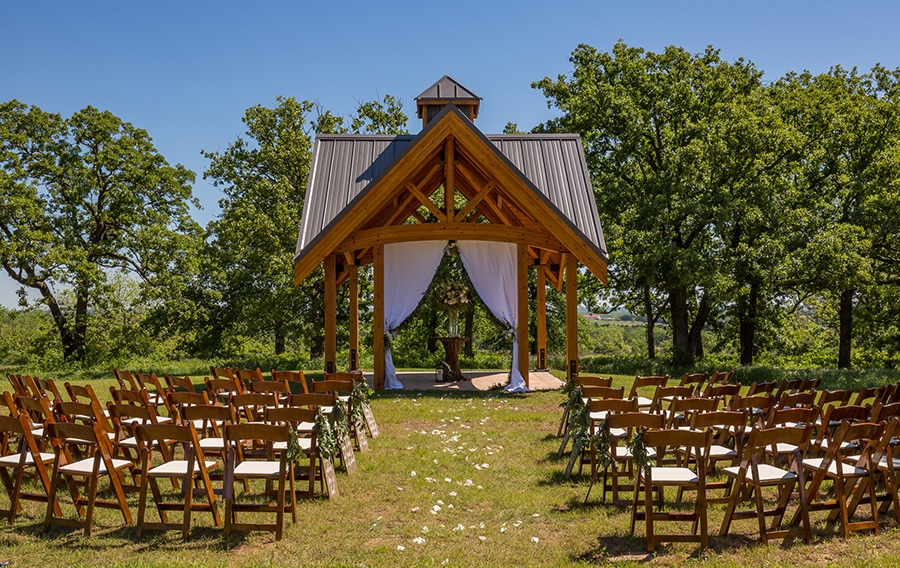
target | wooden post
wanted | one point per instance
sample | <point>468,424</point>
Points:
<point>541,301</point>
<point>330,314</point>
<point>449,183</point>
<point>378,316</point>
<point>522,270</point>
<point>571,316</point>
<point>354,317</point>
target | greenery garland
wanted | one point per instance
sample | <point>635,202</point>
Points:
<point>338,419</point>
<point>580,425</point>
<point>359,398</point>
<point>638,449</point>
<point>326,437</point>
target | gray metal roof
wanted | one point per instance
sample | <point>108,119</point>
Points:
<point>343,165</point>
<point>447,88</point>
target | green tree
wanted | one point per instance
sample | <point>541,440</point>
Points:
<point>651,124</point>
<point>263,177</point>
<point>851,123</point>
<point>82,197</point>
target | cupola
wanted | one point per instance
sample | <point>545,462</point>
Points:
<point>445,91</point>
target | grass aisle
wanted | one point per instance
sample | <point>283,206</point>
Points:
<point>455,479</point>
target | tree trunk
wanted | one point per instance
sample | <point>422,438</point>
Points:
<point>651,322</point>
<point>279,338</point>
<point>695,337</point>
<point>748,320</point>
<point>845,316</point>
<point>317,347</point>
<point>682,353</point>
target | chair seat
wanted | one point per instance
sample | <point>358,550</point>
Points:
<point>847,470</point>
<point>212,444</point>
<point>305,445</point>
<point>177,467</point>
<point>644,402</point>
<point>767,473</point>
<point>673,475</point>
<point>257,469</point>
<point>86,466</point>
<point>624,452</point>
<point>12,460</point>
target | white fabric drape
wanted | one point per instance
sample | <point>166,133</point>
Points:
<point>492,269</point>
<point>408,270</point>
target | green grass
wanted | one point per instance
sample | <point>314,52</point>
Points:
<point>488,462</point>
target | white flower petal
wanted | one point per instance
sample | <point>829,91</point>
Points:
<point>534,539</point>
<point>401,547</point>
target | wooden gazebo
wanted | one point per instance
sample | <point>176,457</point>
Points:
<point>532,190</point>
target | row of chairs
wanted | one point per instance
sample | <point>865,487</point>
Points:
<point>131,437</point>
<point>794,444</point>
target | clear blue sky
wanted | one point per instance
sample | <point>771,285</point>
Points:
<point>185,71</point>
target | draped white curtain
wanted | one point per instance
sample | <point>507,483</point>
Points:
<point>408,270</point>
<point>492,269</point>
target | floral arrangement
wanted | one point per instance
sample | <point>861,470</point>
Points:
<point>453,295</point>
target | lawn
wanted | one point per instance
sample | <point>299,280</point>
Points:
<point>455,479</point>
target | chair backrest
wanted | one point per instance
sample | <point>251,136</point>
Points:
<point>794,415</point>
<point>293,415</point>
<point>787,386</point>
<point>588,381</point>
<point>799,398</point>
<point>602,392</point>
<point>760,403</point>
<point>760,439</point>
<point>761,388</point>
<point>223,386</point>
<point>247,376</point>
<point>211,418</point>
<point>839,397</point>
<point>612,405</point>
<point>275,387</point>
<point>292,377</point>
<point>83,412</point>
<point>664,395</point>
<point>333,386</point>
<point>667,439</point>
<point>311,400</point>
<point>47,387</point>
<point>647,381</point>
<point>720,378</point>
<point>694,379</point>
<point>37,409</point>
<point>18,386</point>
<point>176,383</point>
<point>252,405</point>
<point>728,423</point>
<point>882,411</point>
<point>126,380</point>
<point>259,432</point>
<point>723,392</point>
<point>682,410</point>
<point>810,384</point>
<point>150,436</point>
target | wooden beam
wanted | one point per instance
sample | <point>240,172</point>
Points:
<point>470,206</point>
<point>541,303</point>
<point>378,316</point>
<point>426,202</point>
<point>330,314</point>
<point>522,269</point>
<point>571,316</point>
<point>455,232</point>
<point>354,317</point>
<point>449,184</point>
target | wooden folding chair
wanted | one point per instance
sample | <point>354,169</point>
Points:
<point>646,383</point>
<point>177,384</point>
<point>292,378</point>
<point>126,380</point>
<point>598,411</point>
<point>726,446</point>
<point>99,463</point>
<point>274,467</point>
<point>780,453</point>
<point>251,406</point>
<point>589,381</point>
<point>18,386</point>
<point>650,478</point>
<point>192,471</point>
<point>24,457</point>
<point>624,425</point>
<point>682,410</point>
<point>322,401</point>
<point>302,421</point>
<point>725,393</point>
<point>754,473</point>
<point>889,466</point>
<point>831,419</point>
<point>221,389</point>
<point>343,389</point>
<point>847,477</point>
<point>156,393</point>
<point>280,389</point>
<point>765,387</point>
<point>694,380</point>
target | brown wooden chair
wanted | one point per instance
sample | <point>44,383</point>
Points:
<point>780,453</point>
<point>251,406</point>
<point>695,380</point>
<point>645,383</point>
<point>343,389</point>
<point>589,381</point>
<point>192,471</point>
<point>302,421</point>
<point>831,419</point>
<point>658,477</point>
<point>727,443</point>
<point>725,393</point>
<point>126,380</point>
<point>599,411</point>
<point>292,378</point>
<point>221,389</point>
<point>18,385</point>
<point>755,473</point>
<point>323,401</point>
<point>847,477</point>
<point>275,467</point>
<point>625,425</point>
<point>24,457</point>
<point>278,388</point>
<point>765,387</point>
<point>91,469</point>
<point>247,376</point>
<point>175,383</point>
<point>156,393</point>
